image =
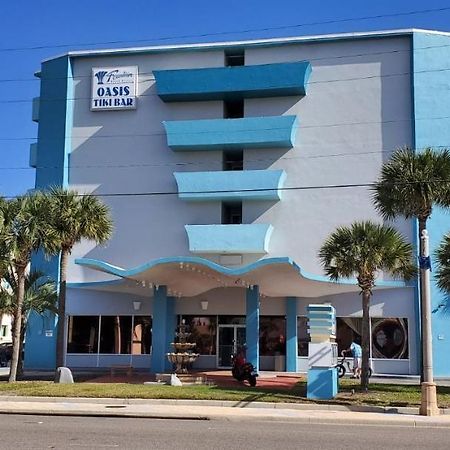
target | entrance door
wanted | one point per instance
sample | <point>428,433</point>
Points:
<point>230,338</point>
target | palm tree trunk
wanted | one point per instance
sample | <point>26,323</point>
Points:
<point>365,339</point>
<point>61,330</point>
<point>422,226</point>
<point>17,324</point>
<point>22,339</point>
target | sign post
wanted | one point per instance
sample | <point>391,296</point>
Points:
<point>322,373</point>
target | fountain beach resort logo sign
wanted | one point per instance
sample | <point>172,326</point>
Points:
<point>114,88</point>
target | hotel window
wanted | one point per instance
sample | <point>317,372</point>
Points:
<point>115,335</point>
<point>234,58</point>
<point>231,213</point>
<point>233,160</point>
<point>272,335</point>
<point>389,336</point>
<point>203,332</point>
<point>302,336</point>
<point>233,109</point>
<point>118,335</point>
<point>82,334</point>
<point>142,335</point>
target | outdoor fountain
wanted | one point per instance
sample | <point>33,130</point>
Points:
<point>183,354</point>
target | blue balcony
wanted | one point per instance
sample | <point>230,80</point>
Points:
<point>35,109</point>
<point>231,239</point>
<point>33,154</point>
<point>230,185</point>
<point>228,134</point>
<point>221,83</point>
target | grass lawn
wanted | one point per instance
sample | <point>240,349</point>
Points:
<point>349,393</point>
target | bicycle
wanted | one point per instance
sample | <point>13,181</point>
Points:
<point>343,366</point>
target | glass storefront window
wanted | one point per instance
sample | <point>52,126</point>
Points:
<point>120,335</point>
<point>302,336</point>
<point>389,336</point>
<point>231,320</point>
<point>82,335</point>
<point>142,335</point>
<point>115,335</point>
<point>203,332</point>
<point>272,335</point>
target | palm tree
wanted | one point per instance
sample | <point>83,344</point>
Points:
<point>443,270</point>
<point>73,217</point>
<point>362,250</point>
<point>40,296</point>
<point>410,185</point>
<point>24,231</point>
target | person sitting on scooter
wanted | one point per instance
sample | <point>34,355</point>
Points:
<point>356,350</point>
<point>240,356</point>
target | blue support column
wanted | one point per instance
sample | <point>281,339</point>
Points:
<point>252,326</point>
<point>171,324</point>
<point>162,334</point>
<point>291,334</point>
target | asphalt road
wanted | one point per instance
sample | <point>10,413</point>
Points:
<point>45,432</point>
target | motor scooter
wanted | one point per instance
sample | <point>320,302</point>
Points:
<point>243,370</point>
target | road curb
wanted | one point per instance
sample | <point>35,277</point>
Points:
<point>391,410</point>
<point>405,421</point>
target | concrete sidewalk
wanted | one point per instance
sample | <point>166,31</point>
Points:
<point>210,410</point>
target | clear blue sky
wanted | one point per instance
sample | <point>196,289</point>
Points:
<point>52,23</point>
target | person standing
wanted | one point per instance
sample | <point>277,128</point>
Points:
<point>356,350</point>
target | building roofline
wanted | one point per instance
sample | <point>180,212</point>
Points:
<point>247,43</point>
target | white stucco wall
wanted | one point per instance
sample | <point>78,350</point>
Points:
<point>356,111</point>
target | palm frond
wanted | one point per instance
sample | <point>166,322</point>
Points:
<point>411,183</point>
<point>443,266</point>
<point>364,249</point>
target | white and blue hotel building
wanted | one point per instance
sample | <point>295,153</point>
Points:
<point>225,166</point>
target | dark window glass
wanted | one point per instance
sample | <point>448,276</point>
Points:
<point>272,335</point>
<point>232,320</point>
<point>115,335</point>
<point>142,335</point>
<point>389,336</point>
<point>233,109</point>
<point>231,213</point>
<point>302,336</point>
<point>203,332</point>
<point>233,160</point>
<point>235,58</point>
<point>82,335</point>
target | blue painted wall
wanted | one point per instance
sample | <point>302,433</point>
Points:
<point>55,122</point>
<point>431,90</point>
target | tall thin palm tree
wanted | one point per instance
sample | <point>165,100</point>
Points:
<point>73,217</point>
<point>443,269</point>
<point>362,250</point>
<point>40,296</point>
<point>24,231</point>
<point>411,184</point>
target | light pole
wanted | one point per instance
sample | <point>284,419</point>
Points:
<point>428,404</point>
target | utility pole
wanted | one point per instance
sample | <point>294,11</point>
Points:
<point>428,405</point>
